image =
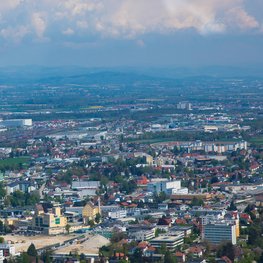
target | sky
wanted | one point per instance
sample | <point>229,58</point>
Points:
<point>151,33</point>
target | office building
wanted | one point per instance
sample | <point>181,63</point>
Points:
<point>217,232</point>
<point>171,242</point>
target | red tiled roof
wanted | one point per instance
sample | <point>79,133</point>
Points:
<point>143,244</point>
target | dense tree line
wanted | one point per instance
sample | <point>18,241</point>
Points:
<point>19,199</point>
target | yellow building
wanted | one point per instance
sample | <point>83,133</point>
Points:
<point>237,228</point>
<point>148,158</point>
<point>50,222</point>
<point>89,212</point>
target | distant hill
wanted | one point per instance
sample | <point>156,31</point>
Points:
<point>82,75</point>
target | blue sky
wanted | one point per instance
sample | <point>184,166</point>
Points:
<point>131,32</point>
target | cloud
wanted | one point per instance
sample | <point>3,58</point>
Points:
<point>14,34</point>
<point>242,19</point>
<point>125,18</point>
<point>8,5</point>
<point>39,24</point>
<point>140,43</point>
<point>68,32</point>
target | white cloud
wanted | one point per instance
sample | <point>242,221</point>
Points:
<point>82,24</point>
<point>205,16</point>
<point>242,19</point>
<point>127,18</point>
<point>8,5</point>
<point>68,32</point>
<point>14,34</point>
<point>39,24</point>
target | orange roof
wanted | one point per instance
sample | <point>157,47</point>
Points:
<point>179,254</point>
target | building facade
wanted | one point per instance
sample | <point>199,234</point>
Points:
<point>220,232</point>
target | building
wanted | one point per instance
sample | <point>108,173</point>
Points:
<point>85,188</point>
<point>49,222</point>
<point>190,197</point>
<point>148,158</point>
<point>118,213</point>
<point>166,186</point>
<point>23,186</point>
<point>184,106</point>
<point>218,232</point>
<point>141,233</point>
<point>210,128</point>
<point>6,250</point>
<point>179,228</point>
<point>218,216</point>
<point>80,185</point>
<point>89,212</point>
<point>16,122</point>
<point>171,242</point>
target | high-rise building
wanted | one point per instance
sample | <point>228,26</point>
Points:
<point>217,232</point>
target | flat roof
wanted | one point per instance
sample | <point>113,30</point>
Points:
<point>166,238</point>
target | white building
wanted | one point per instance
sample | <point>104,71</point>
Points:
<point>120,213</point>
<point>184,106</point>
<point>166,186</point>
<point>140,233</point>
<point>6,251</point>
<point>16,122</point>
<point>171,242</point>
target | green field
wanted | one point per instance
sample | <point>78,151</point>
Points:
<point>257,140</point>
<point>173,139</point>
<point>14,163</point>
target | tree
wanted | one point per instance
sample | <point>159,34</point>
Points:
<point>197,202</point>
<point>117,236</point>
<point>2,227</point>
<point>162,249</point>
<point>91,223</point>
<point>232,206</point>
<point>2,191</point>
<point>254,234</point>
<point>82,257</point>
<point>97,218</point>
<point>169,258</point>
<point>226,249</point>
<point>67,227</point>
<point>31,251</point>
<point>159,231</point>
<point>137,256</point>
<point>46,256</point>
<point>214,180</point>
<point>2,240</point>
<point>23,258</point>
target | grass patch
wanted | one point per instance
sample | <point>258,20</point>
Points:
<point>257,140</point>
<point>14,163</point>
